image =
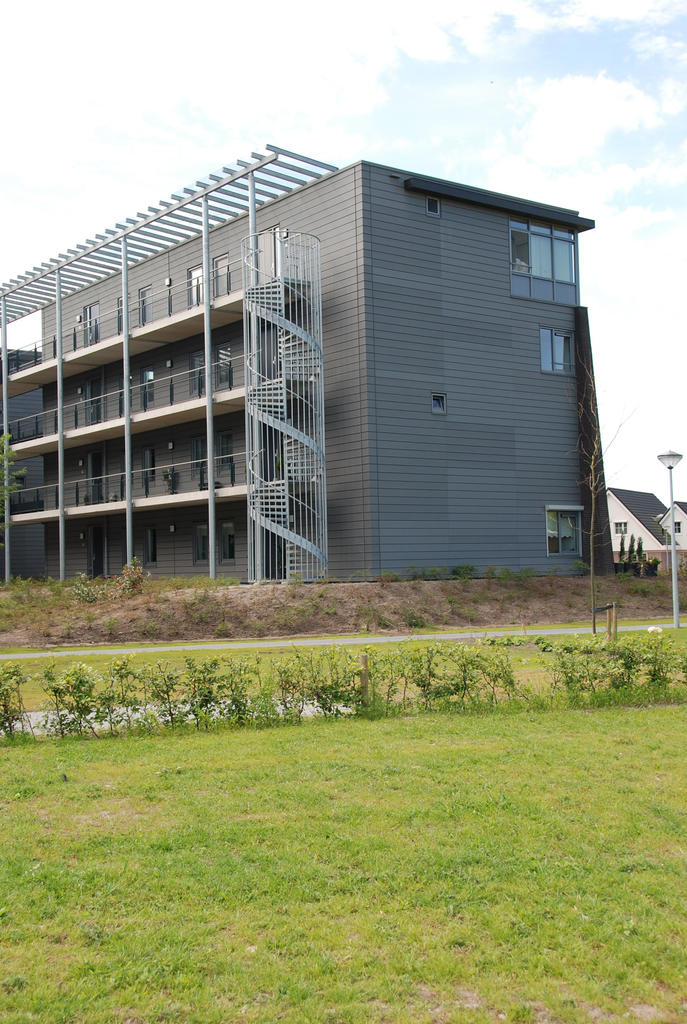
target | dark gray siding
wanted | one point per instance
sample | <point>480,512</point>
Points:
<point>470,486</point>
<point>27,551</point>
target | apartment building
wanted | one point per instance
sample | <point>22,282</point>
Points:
<point>289,370</point>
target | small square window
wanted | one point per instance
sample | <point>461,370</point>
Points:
<point>621,528</point>
<point>432,206</point>
<point>439,404</point>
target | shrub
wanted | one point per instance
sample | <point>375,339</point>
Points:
<point>131,579</point>
<point>72,706</point>
<point>12,711</point>
<point>463,572</point>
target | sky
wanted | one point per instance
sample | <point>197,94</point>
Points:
<point>578,103</point>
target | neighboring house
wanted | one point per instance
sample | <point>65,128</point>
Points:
<point>638,514</point>
<point>201,349</point>
<point>680,512</point>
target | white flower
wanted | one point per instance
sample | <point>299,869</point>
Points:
<point>654,629</point>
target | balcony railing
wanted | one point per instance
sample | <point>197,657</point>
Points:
<point>149,307</point>
<point>159,393</point>
<point>150,482</point>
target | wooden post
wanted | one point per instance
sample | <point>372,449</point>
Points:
<point>593,620</point>
<point>364,681</point>
<point>615,621</point>
<point>608,622</point>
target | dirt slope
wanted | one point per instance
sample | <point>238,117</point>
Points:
<point>39,615</point>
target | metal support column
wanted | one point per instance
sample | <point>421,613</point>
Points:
<point>126,383</point>
<point>207,330</point>
<point>256,567</point>
<point>59,350</point>
<point>6,430</point>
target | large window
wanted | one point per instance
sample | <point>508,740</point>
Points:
<point>542,261</point>
<point>145,305</point>
<point>563,531</point>
<point>557,351</point>
<point>150,545</point>
<point>194,284</point>
<point>221,280</point>
<point>224,371</point>
<point>147,387</point>
<point>200,542</point>
<point>227,542</point>
<point>91,323</point>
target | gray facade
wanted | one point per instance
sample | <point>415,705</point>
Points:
<point>448,440</point>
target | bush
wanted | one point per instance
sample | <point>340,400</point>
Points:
<point>463,572</point>
<point>12,711</point>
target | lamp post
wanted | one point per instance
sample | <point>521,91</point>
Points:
<point>670,461</point>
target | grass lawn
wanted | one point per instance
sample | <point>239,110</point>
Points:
<point>526,868</point>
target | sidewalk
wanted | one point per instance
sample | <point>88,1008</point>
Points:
<point>343,641</point>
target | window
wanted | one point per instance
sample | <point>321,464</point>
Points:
<point>199,458</point>
<point>432,206</point>
<point>439,404</point>
<point>150,545</point>
<point>200,542</point>
<point>120,315</point>
<point>148,464</point>
<point>194,283</point>
<point>556,351</point>
<point>221,279</point>
<point>542,261</point>
<point>91,323</point>
<point>563,531</point>
<point>224,371</point>
<point>620,528</point>
<point>92,402</point>
<point>147,387</point>
<point>145,305</point>
<point>224,459</point>
<point>196,377</point>
<point>227,542</point>
<point>678,527</point>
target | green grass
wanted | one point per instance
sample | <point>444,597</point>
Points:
<point>428,869</point>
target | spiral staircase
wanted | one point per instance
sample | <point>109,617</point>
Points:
<point>287,502</point>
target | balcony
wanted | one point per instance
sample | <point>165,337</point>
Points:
<point>155,319</point>
<point>178,398</point>
<point>169,486</point>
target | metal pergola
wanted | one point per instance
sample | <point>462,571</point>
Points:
<point>190,213</point>
<point>229,192</point>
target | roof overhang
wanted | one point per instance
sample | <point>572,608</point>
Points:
<point>160,227</point>
<point>498,201</point>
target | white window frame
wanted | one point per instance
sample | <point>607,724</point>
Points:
<point>430,201</point>
<point>622,532</point>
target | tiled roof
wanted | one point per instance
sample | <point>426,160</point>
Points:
<point>645,507</point>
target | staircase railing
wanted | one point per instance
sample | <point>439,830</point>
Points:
<point>287,504</point>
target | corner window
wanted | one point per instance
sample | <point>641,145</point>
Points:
<point>227,542</point>
<point>150,545</point>
<point>542,261</point>
<point>620,528</point>
<point>563,531</point>
<point>556,351</point>
<point>439,404</point>
<point>200,542</point>
<point>432,206</point>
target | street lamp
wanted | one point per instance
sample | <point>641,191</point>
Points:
<point>670,461</point>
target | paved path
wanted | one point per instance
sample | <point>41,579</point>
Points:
<point>347,641</point>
